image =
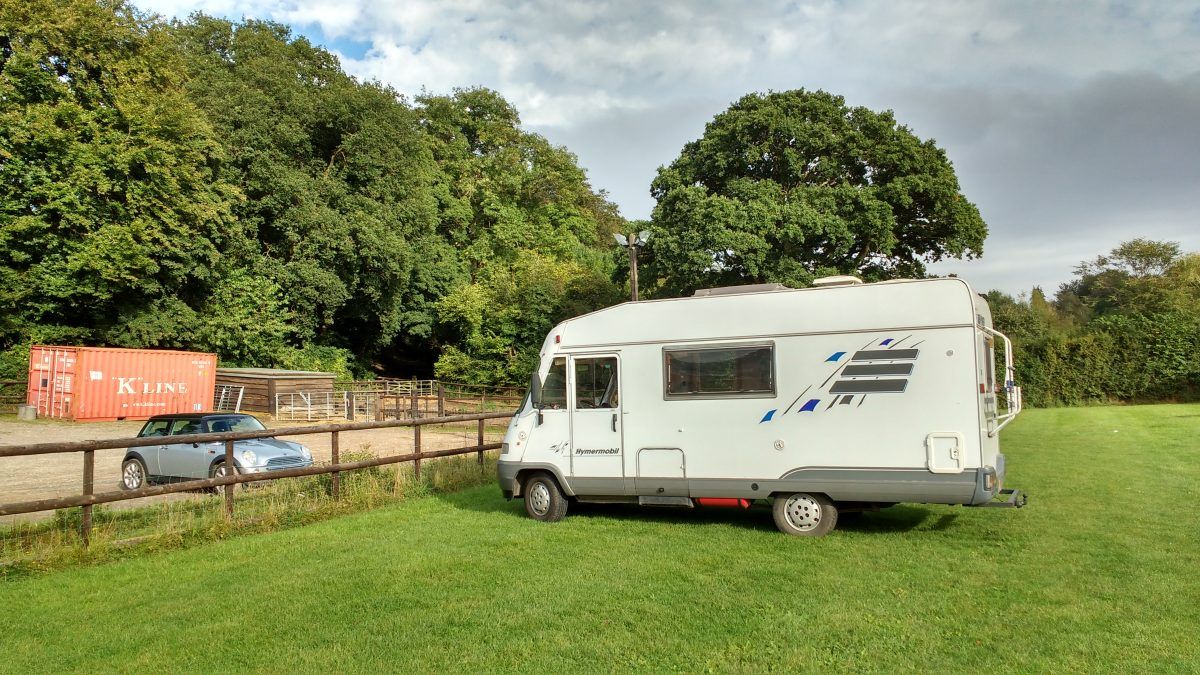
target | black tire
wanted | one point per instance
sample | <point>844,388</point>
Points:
<point>801,514</point>
<point>133,474</point>
<point>544,500</point>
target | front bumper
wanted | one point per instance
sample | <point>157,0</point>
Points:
<point>267,468</point>
<point>506,474</point>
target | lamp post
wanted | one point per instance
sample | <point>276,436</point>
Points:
<point>633,242</point>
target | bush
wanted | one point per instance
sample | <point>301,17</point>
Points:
<point>1118,358</point>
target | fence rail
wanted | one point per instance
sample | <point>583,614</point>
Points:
<point>395,399</point>
<point>12,394</point>
<point>89,498</point>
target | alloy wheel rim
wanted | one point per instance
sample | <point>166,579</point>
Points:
<point>132,475</point>
<point>802,512</point>
<point>539,498</point>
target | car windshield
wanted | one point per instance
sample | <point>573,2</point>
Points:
<point>219,425</point>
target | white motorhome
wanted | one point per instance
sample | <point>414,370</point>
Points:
<point>842,397</point>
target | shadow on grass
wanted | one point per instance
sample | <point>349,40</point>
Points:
<point>894,519</point>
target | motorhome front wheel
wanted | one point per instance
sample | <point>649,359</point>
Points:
<point>804,515</point>
<point>543,499</point>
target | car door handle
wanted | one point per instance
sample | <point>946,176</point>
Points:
<point>614,421</point>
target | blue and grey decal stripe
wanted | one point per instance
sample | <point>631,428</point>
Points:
<point>885,355</point>
<point>875,369</point>
<point>868,386</point>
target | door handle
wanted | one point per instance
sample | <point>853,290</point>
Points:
<point>614,422</point>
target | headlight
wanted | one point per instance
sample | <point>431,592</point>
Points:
<point>305,453</point>
<point>504,448</point>
<point>249,457</point>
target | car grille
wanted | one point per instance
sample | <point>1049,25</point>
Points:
<point>286,462</point>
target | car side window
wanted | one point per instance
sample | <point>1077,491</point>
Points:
<point>155,428</point>
<point>181,427</point>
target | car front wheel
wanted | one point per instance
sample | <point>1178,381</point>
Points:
<point>544,500</point>
<point>804,515</point>
<point>220,470</point>
<point>133,474</point>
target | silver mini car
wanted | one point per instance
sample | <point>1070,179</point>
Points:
<point>172,462</point>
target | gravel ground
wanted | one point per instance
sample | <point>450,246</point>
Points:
<point>61,475</point>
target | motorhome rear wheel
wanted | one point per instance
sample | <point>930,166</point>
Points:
<point>803,515</point>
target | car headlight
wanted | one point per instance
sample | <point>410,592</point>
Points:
<point>305,453</point>
<point>249,457</point>
<point>504,448</point>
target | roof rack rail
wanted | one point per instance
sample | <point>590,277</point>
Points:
<point>738,290</point>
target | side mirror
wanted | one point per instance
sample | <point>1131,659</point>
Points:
<point>535,395</point>
<point>535,390</point>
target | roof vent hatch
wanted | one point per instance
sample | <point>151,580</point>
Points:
<point>840,280</point>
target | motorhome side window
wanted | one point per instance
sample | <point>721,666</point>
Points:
<point>596,383</point>
<point>554,389</point>
<point>719,371</point>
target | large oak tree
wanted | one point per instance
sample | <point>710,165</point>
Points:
<point>788,186</point>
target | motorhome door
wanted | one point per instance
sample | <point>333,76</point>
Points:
<point>596,417</point>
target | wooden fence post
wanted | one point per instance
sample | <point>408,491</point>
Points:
<point>336,476</point>
<point>480,443</point>
<point>89,472</point>
<point>417,451</point>
<point>414,413</point>
<point>441,399</point>
<point>230,470</point>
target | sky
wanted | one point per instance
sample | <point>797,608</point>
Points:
<point>1073,126</point>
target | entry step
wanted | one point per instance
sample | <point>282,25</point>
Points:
<point>665,501</point>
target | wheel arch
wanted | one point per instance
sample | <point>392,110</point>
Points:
<point>221,458</point>
<point>133,454</point>
<point>524,474</point>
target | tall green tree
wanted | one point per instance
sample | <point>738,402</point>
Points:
<point>787,186</point>
<point>340,209</point>
<point>112,203</point>
<point>532,234</point>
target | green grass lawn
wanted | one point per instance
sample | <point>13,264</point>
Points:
<point>1100,572</point>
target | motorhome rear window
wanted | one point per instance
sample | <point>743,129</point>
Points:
<point>704,372</point>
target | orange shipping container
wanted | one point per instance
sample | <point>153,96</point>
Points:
<point>100,383</point>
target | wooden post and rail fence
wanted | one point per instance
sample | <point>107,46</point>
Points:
<point>90,498</point>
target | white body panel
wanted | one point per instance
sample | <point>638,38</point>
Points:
<point>919,431</point>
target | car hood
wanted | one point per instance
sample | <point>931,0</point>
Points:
<point>266,448</point>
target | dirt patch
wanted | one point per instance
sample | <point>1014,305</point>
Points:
<point>61,475</point>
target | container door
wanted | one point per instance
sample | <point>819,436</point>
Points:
<point>181,460</point>
<point>596,417</point>
<point>52,381</point>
